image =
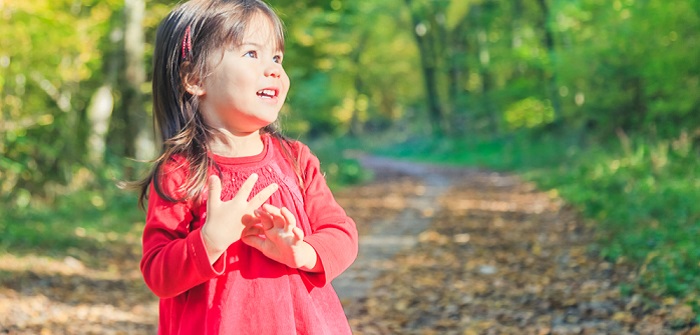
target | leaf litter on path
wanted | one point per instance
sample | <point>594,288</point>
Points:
<point>501,257</point>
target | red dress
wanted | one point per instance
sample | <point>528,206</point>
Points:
<point>244,292</point>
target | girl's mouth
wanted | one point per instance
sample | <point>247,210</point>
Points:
<point>267,93</point>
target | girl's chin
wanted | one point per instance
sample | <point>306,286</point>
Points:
<point>267,121</point>
<point>271,119</point>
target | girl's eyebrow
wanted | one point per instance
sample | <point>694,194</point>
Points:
<point>256,45</point>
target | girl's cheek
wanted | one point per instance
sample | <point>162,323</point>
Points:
<point>287,82</point>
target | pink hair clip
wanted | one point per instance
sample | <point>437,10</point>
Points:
<point>186,43</point>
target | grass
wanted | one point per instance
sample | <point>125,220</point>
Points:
<point>84,223</point>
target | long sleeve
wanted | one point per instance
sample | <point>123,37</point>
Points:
<point>334,234</point>
<point>174,258</point>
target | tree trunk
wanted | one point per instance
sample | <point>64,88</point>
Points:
<point>428,68</point>
<point>550,74</point>
<point>458,73</point>
<point>484,57</point>
<point>139,124</point>
<point>99,112</point>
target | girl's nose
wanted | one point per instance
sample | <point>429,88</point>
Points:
<point>274,70</point>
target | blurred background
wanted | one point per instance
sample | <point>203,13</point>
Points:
<point>596,100</point>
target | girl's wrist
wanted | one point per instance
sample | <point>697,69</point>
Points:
<point>213,251</point>
<point>312,262</point>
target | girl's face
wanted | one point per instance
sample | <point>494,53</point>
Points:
<point>247,89</point>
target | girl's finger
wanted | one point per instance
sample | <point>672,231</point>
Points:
<point>262,196</point>
<point>250,220</point>
<point>271,209</point>
<point>277,218</point>
<point>214,188</point>
<point>279,221</point>
<point>298,233</point>
<point>265,219</point>
<point>254,230</point>
<point>289,217</point>
<point>254,241</point>
<point>247,187</point>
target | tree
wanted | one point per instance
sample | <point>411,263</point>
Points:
<point>428,22</point>
<point>545,26</point>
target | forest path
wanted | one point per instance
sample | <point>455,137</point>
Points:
<point>463,251</point>
<point>442,251</point>
<point>397,209</point>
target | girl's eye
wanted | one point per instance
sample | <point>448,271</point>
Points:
<point>277,59</point>
<point>251,54</point>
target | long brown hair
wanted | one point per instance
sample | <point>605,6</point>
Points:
<point>185,42</point>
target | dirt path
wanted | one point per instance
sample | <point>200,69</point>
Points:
<point>388,234</point>
<point>442,251</point>
<point>493,255</point>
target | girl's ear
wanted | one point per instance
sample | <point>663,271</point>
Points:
<point>194,89</point>
<point>191,82</point>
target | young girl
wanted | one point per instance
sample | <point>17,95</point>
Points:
<point>242,234</point>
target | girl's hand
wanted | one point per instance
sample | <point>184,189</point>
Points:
<point>225,219</point>
<point>283,241</point>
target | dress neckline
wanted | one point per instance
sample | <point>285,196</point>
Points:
<point>245,159</point>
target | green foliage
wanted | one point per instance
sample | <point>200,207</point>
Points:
<point>629,64</point>
<point>585,65</point>
<point>529,113</point>
<point>47,60</point>
<point>337,162</point>
<point>342,69</point>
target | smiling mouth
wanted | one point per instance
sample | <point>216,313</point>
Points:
<point>267,93</point>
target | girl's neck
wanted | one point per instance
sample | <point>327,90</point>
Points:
<point>229,145</point>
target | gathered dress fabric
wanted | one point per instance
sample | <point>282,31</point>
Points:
<point>245,292</point>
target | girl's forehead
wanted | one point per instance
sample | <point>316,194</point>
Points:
<point>260,29</point>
